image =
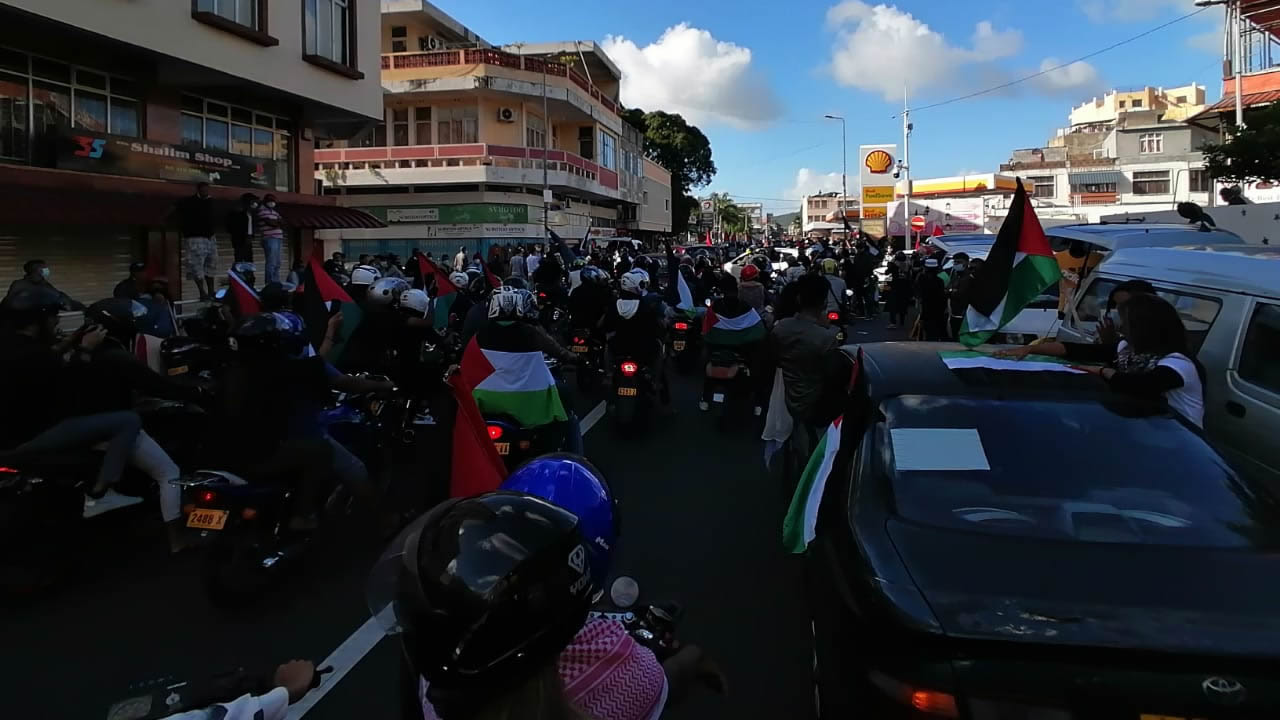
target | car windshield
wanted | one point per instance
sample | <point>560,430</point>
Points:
<point>1083,471</point>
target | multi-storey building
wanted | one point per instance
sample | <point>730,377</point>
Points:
<point>472,134</point>
<point>109,112</point>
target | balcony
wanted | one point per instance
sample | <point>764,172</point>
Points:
<point>463,164</point>
<point>408,61</point>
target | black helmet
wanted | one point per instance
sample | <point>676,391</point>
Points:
<point>479,286</point>
<point>31,305</point>
<point>119,316</point>
<point>485,592</point>
<point>645,263</point>
<point>271,333</point>
<point>515,282</point>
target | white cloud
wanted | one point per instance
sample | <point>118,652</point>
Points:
<point>812,182</point>
<point>688,71</point>
<point>879,47</point>
<point>1072,78</point>
<point>1101,11</point>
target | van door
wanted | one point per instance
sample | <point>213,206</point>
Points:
<point>1086,309</point>
<point>1249,415</point>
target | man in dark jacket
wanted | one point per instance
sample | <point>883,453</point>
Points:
<point>132,287</point>
<point>241,224</point>
<point>195,222</point>
<point>801,346</point>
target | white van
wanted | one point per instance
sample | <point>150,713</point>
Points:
<point>1229,300</point>
<point>779,257</point>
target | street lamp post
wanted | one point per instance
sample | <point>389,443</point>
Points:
<point>844,166</point>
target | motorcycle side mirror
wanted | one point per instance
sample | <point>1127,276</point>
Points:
<point>624,592</point>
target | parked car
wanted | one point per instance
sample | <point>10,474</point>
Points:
<point>1229,300</point>
<point>1031,545</point>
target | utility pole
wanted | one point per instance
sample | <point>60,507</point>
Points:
<point>1238,29</point>
<point>905,164</point>
<point>546,140</point>
<point>844,171</point>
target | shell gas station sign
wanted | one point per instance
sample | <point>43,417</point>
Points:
<point>877,165</point>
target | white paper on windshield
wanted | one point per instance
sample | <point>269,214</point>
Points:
<point>938,449</point>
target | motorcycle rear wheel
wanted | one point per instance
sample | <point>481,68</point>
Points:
<point>233,573</point>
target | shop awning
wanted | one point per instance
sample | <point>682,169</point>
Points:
<point>1100,177</point>
<point>327,217</point>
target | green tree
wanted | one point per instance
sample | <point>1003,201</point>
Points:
<point>682,149</point>
<point>732,218</point>
<point>1252,154</point>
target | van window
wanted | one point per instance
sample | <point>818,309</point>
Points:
<point>1260,358</point>
<point>1197,312</point>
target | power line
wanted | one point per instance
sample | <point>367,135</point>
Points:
<point>1046,71</point>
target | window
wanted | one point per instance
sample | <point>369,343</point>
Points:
<point>399,40</point>
<point>1151,143</point>
<point>535,131</point>
<point>1260,357</point>
<point>1122,103</point>
<point>646,197</point>
<point>1099,153</point>
<point>240,12</point>
<point>400,126</point>
<point>422,126</point>
<point>456,125</point>
<point>1151,182</point>
<point>399,46</point>
<point>1181,100</point>
<point>1198,313</point>
<point>666,204</point>
<point>330,35</point>
<point>586,146</point>
<point>1198,181</point>
<point>1137,102</point>
<point>607,158</point>
<point>1043,186</point>
<point>237,130</point>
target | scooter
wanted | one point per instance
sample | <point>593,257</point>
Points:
<point>634,393</point>
<point>589,347</point>
<point>728,385</point>
<point>516,443</point>
<point>686,343</point>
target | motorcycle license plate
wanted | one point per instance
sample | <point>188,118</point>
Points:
<point>626,392</point>
<point>581,348</point>
<point>503,448</point>
<point>179,370</point>
<point>678,344</point>
<point>717,397</point>
<point>204,519</point>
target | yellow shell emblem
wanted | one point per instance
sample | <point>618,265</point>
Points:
<point>879,161</point>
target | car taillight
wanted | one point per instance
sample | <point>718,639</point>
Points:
<point>8,470</point>
<point>495,432</point>
<point>542,296</point>
<point>579,341</point>
<point>208,496</point>
<point>629,369</point>
<point>833,316</point>
<point>682,326</point>
<point>929,702</point>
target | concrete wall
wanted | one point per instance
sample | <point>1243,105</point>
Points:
<point>1179,141</point>
<point>166,27</point>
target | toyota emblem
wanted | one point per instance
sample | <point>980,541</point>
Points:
<point>1223,690</point>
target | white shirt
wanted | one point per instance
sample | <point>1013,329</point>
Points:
<point>1188,400</point>
<point>532,262</point>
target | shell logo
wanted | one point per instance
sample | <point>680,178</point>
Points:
<point>879,161</point>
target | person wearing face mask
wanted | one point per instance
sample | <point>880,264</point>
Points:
<point>241,225</point>
<point>1110,347</point>
<point>271,229</point>
<point>958,291</point>
<point>35,274</point>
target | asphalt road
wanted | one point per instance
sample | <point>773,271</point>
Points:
<point>701,526</point>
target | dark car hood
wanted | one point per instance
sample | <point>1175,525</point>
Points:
<point>1189,600</point>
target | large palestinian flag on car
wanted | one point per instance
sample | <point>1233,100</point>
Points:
<point>1019,267</point>
<point>505,379</point>
<point>740,330</point>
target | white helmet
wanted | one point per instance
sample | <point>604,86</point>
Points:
<point>387,290</point>
<point>634,281</point>
<point>460,280</point>
<point>504,304</point>
<point>415,301</point>
<point>365,275</point>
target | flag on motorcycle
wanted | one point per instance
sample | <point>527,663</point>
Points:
<point>494,282</point>
<point>244,299</point>
<point>1018,268</point>
<point>746,328</point>
<point>507,380</point>
<point>322,298</point>
<point>801,522</point>
<point>446,292</point>
<point>476,467</point>
<point>686,295</point>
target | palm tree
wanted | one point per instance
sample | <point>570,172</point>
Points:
<point>732,219</point>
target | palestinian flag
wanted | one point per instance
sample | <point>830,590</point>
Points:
<point>746,328</point>
<point>322,298</point>
<point>685,305</point>
<point>507,380</point>
<point>244,299</point>
<point>799,526</point>
<point>446,293</point>
<point>494,282</point>
<point>475,466</point>
<point>1019,267</point>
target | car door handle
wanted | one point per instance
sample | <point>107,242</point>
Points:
<point>1235,409</point>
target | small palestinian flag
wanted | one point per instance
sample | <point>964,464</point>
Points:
<point>475,466</point>
<point>244,299</point>
<point>508,381</point>
<point>746,328</point>
<point>686,295</point>
<point>446,293</point>
<point>801,522</point>
<point>1019,267</point>
<point>322,298</point>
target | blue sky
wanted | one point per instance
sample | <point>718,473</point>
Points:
<point>757,77</point>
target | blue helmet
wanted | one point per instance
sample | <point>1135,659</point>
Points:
<point>573,483</point>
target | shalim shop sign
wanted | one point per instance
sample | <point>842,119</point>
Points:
<point>133,157</point>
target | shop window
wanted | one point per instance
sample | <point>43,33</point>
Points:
<point>251,133</point>
<point>13,116</point>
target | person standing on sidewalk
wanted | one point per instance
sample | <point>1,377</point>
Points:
<point>271,229</point>
<point>195,222</point>
<point>241,224</point>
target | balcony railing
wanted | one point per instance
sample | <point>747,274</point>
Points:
<point>464,155</point>
<point>1096,198</point>
<point>489,56</point>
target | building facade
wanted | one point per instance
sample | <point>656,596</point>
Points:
<point>820,214</point>
<point>108,115</point>
<point>470,134</point>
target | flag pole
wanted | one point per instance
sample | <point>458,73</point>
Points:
<point>906,165</point>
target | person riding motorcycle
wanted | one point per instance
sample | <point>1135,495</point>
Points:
<point>836,297</point>
<point>370,345</point>
<point>362,276</point>
<point>481,291</point>
<point>751,290</point>
<point>745,339</point>
<point>549,280</point>
<point>485,593</point>
<point>638,324</point>
<point>589,302</point>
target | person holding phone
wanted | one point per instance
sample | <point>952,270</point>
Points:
<point>1110,347</point>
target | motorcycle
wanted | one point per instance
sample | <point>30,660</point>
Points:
<point>634,391</point>
<point>653,626</point>
<point>516,443</point>
<point>590,348</point>
<point>552,312</point>
<point>728,383</point>
<point>166,696</point>
<point>686,343</point>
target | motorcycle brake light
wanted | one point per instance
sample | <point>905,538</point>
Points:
<point>542,295</point>
<point>579,341</point>
<point>495,432</point>
<point>207,496</point>
<point>833,316</point>
<point>629,369</point>
<point>682,326</point>
<point>8,470</point>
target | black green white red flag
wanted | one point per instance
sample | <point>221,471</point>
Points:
<point>1019,267</point>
